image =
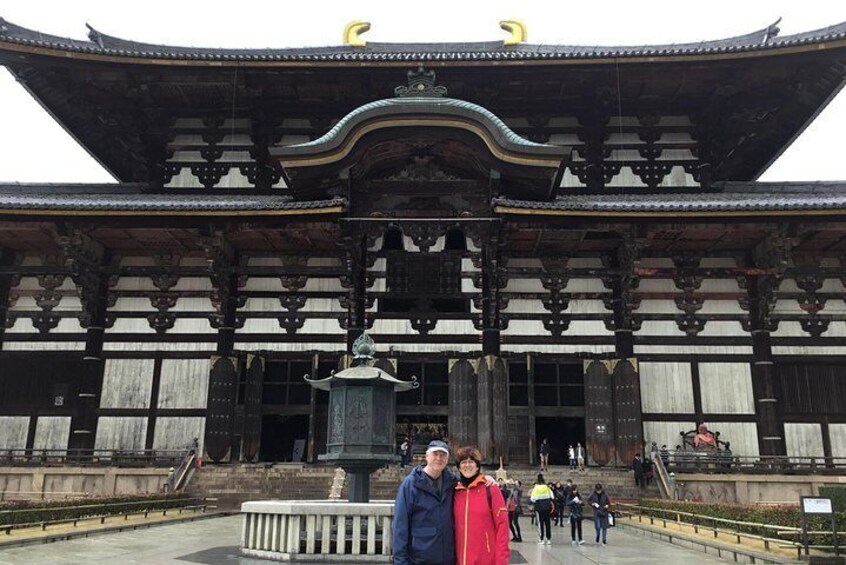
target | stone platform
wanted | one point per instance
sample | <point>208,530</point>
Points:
<point>317,531</point>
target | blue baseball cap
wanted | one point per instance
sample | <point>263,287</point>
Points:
<point>438,445</point>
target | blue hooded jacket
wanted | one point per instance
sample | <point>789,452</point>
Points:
<point>423,528</point>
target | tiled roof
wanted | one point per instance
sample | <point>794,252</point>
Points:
<point>127,198</point>
<point>103,44</point>
<point>732,197</point>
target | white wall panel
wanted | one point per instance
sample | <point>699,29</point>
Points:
<point>328,348</point>
<point>586,285</point>
<point>803,440</point>
<point>722,307</point>
<point>666,433</point>
<point>659,328</point>
<point>666,387</point>
<point>178,432</point>
<point>586,307</point>
<point>125,433</point>
<point>837,435</point>
<point>726,388</point>
<point>130,326</point>
<point>192,326</point>
<point>13,432</point>
<point>43,346</point>
<point>559,348</point>
<point>159,346</point>
<point>193,283</point>
<point>723,328</point>
<point>524,285</point>
<point>658,307</point>
<point>184,383</point>
<point>52,432</point>
<point>788,306</point>
<point>657,285</point>
<point>197,304</point>
<point>265,284</point>
<point>520,306</point>
<point>324,285</point>
<point>133,284</point>
<point>743,436</point>
<point>693,349</point>
<point>127,383</point>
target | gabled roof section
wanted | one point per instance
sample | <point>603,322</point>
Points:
<point>135,200</point>
<point>765,39</point>
<point>732,199</point>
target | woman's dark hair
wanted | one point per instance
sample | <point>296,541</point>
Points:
<point>468,452</point>
<point>597,487</point>
<point>540,480</point>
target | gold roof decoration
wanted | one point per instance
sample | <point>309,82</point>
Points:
<point>518,31</point>
<point>353,32</point>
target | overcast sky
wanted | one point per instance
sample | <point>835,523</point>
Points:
<point>33,148</point>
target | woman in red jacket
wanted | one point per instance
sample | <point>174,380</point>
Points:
<point>480,514</point>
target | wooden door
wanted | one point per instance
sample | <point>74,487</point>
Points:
<point>251,436</point>
<point>220,408</point>
<point>628,425</point>
<point>599,413</point>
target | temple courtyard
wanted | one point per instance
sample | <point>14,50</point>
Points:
<point>215,542</point>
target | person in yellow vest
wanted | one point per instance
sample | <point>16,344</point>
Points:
<point>542,498</point>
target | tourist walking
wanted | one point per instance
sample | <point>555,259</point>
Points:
<point>571,454</point>
<point>542,498</point>
<point>544,455</point>
<point>576,506</point>
<point>580,457</point>
<point>480,515</point>
<point>514,506</point>
<point>601,504</point>
<point>637,467</point>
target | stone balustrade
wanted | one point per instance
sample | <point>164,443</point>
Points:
<point>317,530</point>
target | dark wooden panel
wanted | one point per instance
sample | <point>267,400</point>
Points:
<point>518,434</point>
<point>499,406</point>
<point>627,412</point>
<point>812,388</point>
<point>251,436</point>
<point>221,405</point>
<point>461,421</point>
<point>599,414</point>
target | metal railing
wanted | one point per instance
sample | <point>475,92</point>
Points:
<point>92,458</point>
<point>769,534</point>
<point>688,461</point>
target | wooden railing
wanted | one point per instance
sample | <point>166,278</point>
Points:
<point>100,512</point>
<point>768,535</point>
<point>721,462</point>
<point>93,458</point>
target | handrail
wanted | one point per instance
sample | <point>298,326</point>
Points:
<point>92,457</point>
<point>663,477</point>
<point>181,474</point>
<point>689,461</point>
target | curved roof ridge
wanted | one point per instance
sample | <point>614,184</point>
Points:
<point>100,43</point>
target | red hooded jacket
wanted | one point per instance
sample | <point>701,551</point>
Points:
<point>481,525</point>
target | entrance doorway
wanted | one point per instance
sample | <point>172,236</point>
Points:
<point>283,437</point>
<point>560,433</point>
<point>422,429</point>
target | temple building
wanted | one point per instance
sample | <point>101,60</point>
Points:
<point>559,242</point>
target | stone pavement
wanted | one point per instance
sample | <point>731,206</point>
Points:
<point>215,542</point>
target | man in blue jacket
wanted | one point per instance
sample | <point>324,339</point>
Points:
<point>423,527</point>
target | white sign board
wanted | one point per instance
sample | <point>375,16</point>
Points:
<point>816,505</point>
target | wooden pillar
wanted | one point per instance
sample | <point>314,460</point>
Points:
<point>7,260</point>
<point>767,408</point>
<point>533,441</point>
<point>355,260</point>
<point>623,301</point>
<point>86,260</point>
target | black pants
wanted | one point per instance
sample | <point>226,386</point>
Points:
<point>514,524</point>
<point>576,527</point>
<point>544,526</point>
